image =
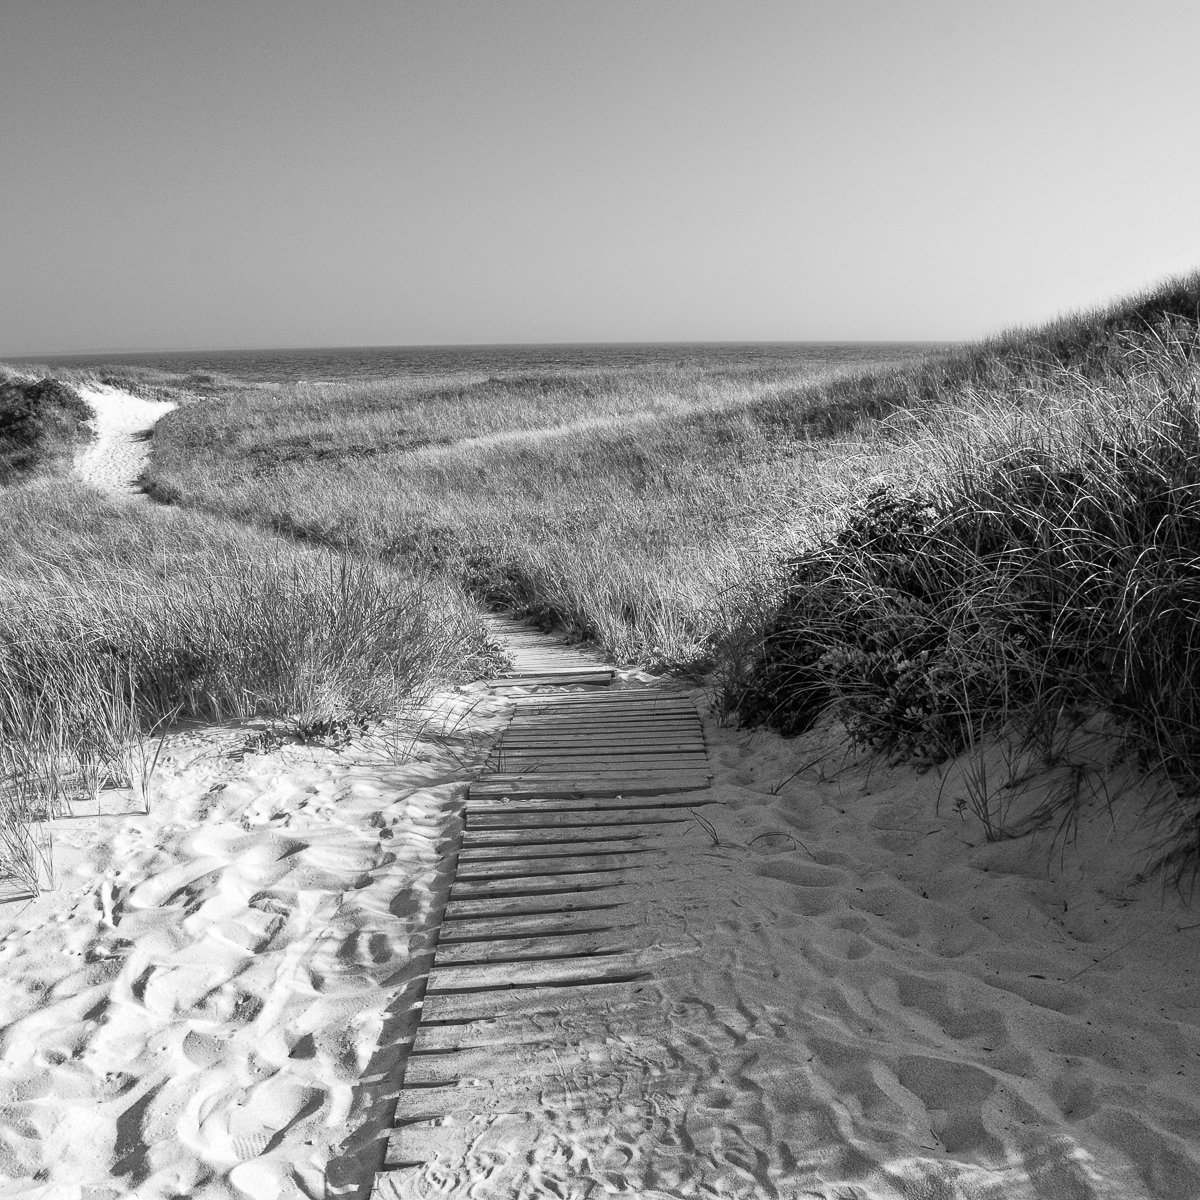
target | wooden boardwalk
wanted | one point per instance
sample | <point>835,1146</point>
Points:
<point>540,927</point>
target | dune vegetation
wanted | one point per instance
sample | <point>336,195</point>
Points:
<point>42,421</point>
<point>996,537</point>
<point>120,619</point>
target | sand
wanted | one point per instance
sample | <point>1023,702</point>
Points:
<point>115,459</point>
<point>865,998</point>
<point>200,1004</point>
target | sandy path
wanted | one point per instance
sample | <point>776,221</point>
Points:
<point>123,422</point>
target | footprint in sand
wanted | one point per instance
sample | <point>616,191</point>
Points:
<point>953,1094</point>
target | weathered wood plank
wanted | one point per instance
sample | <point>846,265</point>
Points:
<point>594,677</point>
<point>471,872</point>
<point>512,819</point>
<point>537,885</point>
<point>524,851</point>
<point>531,925</point>
<point>632,786</point>
<point>604,904</point>
<point>554,971</point>
<point>618,720</point>
<point>549,947</point>
<point>603,741</point>
<point>498,838</point>
<point>593,764</point>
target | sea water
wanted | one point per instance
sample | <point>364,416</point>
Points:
<point>379,362</point>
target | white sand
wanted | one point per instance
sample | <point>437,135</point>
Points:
<point>868,1000</point>
<point>123,423</point>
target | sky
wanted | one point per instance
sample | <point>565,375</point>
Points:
<point>274,173</point>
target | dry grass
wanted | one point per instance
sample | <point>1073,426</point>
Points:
<point>117,619</point>
<point>999,535</point>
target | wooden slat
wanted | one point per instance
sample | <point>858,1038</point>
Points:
<point>512,818</point>
<point>606,943</point>
<point>594,764</point>
<point>584,781</point>
<point>613,749</point>
<point>483,838</point>
<point>552,924</point>
<point>468,854</point>
<point>600,701</point>
<point>601,806</point>
<point>539,680</point>
<point>606,995</point>
<point>505,976</point>
<point>602,741</point>
<point>531,1061</point>
<point>470,872</point>
<point>619,720</point>
<point>604,904</point>
<point>537,885</point>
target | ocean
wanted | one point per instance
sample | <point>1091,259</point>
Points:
<point>379,362</point>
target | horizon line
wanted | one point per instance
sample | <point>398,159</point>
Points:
<point>28,357</point>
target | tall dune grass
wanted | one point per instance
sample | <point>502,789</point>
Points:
<point>117,619</point>
<point>1036,564</point>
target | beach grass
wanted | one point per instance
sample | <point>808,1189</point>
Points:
<point>120,619</point>
<point>992,536</point>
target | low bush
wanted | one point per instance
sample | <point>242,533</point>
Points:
<point>41,423</point>
<point>1048,571</point>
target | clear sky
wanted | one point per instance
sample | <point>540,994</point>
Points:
<point>252,173</point>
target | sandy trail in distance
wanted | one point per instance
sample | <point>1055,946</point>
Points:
<point>123,423</point>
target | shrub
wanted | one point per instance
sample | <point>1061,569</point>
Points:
<point>41,422</point>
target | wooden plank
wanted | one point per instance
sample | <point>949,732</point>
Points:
<point>585,787</point>
<point>511,818</point>
<point>537,885</point>
<point>603,904</point>
<point>599,996</point>
<point>468,854</point>
<point>562,671</point>
<point>508,681</point>
<point>594,764</point>
<point>601,806</point>
<point>601,702</point>
<point>530,925</point>
<point>602,741</point>
<point>616,748</point>
<point>529,1061</point>
<point>499,838</point>
<point>551,947</point>
<point>620,720</point>
<point>506,975</point>
<point>470,872</point>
